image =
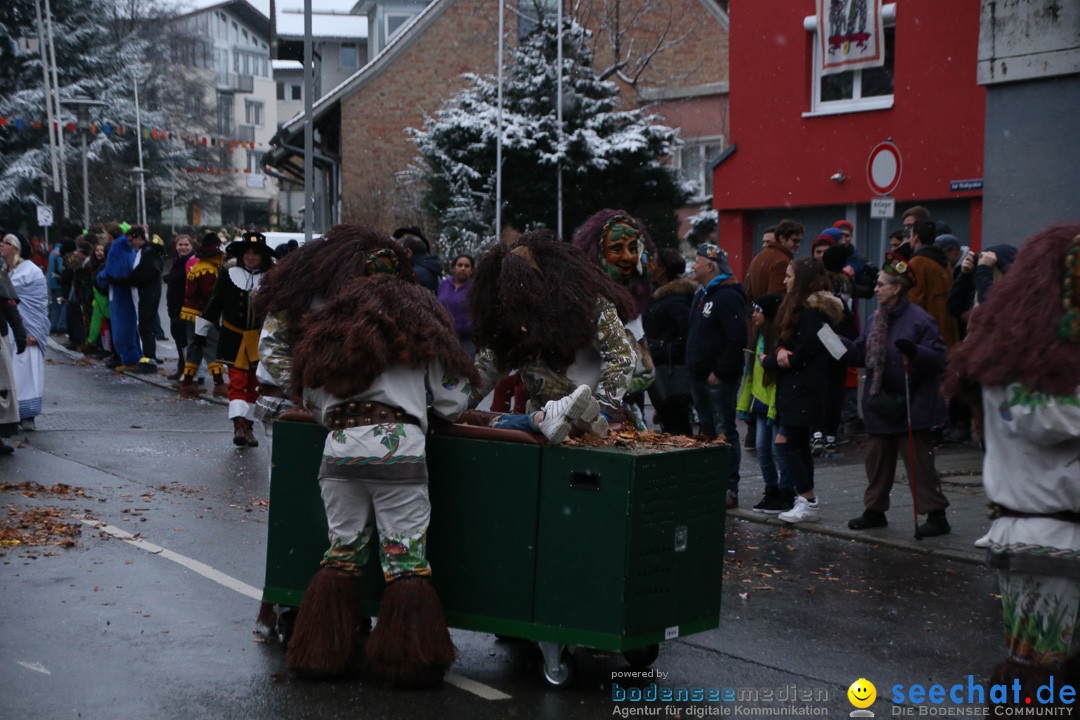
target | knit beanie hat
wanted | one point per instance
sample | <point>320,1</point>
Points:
<point>836,257</point>
<point>768,304</point>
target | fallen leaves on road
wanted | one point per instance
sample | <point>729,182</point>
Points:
<point>33,489</point>
<point>39,526</point>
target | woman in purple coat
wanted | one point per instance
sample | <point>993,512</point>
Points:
<point>900,339</point>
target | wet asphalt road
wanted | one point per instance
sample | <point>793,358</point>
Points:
<point>108,629</point>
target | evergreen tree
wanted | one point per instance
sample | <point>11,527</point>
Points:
<point>611,157</point>
<point>101,47</point>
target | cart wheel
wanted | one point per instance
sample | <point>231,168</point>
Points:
<point>642,657</point>
<point>559,665</point>
<point>285,622</point>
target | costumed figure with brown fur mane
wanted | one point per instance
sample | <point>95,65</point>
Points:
<point>619,244</point>
<point>304,279</point>
<point>366,365</point>
<point>541,307</point>
<point>1021,358</point>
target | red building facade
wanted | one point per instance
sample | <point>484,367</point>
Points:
<point>801,146</point>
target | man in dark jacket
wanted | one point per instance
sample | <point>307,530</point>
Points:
<point>428,267</point>
<point>146,279</point>
<point>904,355</point>
<point>714,352</point>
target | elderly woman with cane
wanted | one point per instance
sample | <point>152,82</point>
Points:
<point>904,355</point>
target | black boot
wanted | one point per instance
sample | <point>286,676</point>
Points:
<point>935,524</point>
<point>869,519</point>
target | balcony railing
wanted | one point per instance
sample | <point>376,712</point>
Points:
<point>245,133</point>
<point>231,82</point>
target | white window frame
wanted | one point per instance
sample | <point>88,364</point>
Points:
<point>403,17</point>
<point>254,112</point>
<point>699,144</point>
<point>856,103</point>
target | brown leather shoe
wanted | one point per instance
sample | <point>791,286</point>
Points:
<point>221,390</point>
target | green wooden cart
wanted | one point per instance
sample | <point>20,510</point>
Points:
<point>610,549</point>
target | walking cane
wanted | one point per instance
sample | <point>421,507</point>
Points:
<point>911,447</point>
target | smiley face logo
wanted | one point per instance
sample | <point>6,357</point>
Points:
<point>862,693</point>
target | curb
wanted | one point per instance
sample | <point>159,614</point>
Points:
<point>918,547</point>
<point>156,380</point>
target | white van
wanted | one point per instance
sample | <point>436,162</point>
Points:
<point>275,239</point>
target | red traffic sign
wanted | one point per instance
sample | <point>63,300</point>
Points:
<point>883,168</point>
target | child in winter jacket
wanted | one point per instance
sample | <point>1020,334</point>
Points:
<point>757,403</point>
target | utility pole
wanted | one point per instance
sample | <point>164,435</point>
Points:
<point>559,116</point>
<point>499,125</point>
<point>309,128</point>
<point>82,125</point>
<point>140,169</point>
<point>54,126</point>
<point>56,101</point>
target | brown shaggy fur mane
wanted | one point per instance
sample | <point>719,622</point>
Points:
<point>319,270</point>
<point>521,314</point>
<point>1013,336</point>
<point>375,323</point>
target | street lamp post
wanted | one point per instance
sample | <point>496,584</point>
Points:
<point>82,107</point>
<point>140,195</point>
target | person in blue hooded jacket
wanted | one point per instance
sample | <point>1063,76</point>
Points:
<point>125,323</point>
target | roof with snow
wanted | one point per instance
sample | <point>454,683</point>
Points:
<point>290,24</point>
<point>401,41</point>
<point>329,18</point>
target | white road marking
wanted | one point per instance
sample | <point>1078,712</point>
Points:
<point>462,683</point>
<point>476,688</point>
<point>36,667</point>
<point>202,568</point>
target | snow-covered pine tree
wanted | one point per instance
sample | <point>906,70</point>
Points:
<point>101,45</point>
<point>612,157</point>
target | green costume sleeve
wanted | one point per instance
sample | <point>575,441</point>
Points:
<point>275,353</point>
<point>617,356</point>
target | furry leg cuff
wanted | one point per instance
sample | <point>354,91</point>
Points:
<point>410,646</point>
<point>324,638</point>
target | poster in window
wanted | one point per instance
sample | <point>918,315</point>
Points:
<point>852,34</point>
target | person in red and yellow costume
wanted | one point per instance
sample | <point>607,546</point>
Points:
<point>232,310</point>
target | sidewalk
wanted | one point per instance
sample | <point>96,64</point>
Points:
<point>840,482</point>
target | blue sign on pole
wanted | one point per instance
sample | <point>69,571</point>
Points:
<point>962,185</point>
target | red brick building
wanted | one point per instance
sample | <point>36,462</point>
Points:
<point>801,143</point>
<point>363,152</point>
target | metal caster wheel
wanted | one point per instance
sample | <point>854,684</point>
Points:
<point>285,622</point>
<point>643,657</point>
<point>559,665</point>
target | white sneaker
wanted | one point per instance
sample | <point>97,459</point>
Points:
<point>804,511</point>
<point>560,414</point>
<point>596,424</point>
<point>983,542</point>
